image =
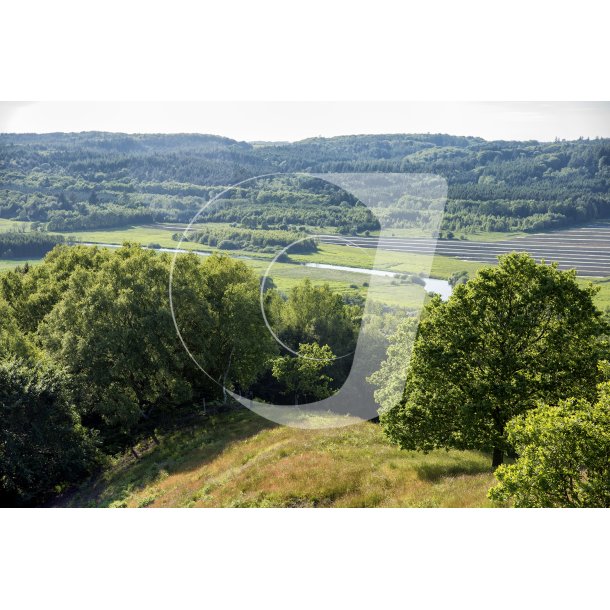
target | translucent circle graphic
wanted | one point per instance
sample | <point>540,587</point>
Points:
<point>409,195</point>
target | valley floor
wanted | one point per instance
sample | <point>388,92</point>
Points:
<point>237,459</point>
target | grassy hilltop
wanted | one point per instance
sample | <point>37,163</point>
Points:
<point>238,459</point>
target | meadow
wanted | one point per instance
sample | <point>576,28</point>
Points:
<point>7,265</point>
<point>237,459</point>
<point>287,275</point>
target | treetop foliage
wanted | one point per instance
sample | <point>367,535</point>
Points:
<point>563,454</point>
<point>513,335</point>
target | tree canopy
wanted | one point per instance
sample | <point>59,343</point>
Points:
<point>302,376</point>
<point>513,335</point>
<point>43,445</point>
<point>93,363</point>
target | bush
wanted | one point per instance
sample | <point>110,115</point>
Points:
<point>227,244</point>
<point>563,456</point>
<point>459,277</point>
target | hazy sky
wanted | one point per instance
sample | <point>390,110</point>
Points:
<point>297,120</point>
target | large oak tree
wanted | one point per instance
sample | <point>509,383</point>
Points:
<point>516,334</point>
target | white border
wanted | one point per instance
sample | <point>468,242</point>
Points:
<point>311,51</point>
<point>310,559</point>
<point>318,50</point>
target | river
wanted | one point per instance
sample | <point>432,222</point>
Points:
<point>440,287</point>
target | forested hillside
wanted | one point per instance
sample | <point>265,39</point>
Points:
<point>93,180</point>
<point>510,372</point>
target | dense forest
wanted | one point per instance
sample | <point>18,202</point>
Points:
<point>93,180</point>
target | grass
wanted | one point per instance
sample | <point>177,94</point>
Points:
<point>401,262</point>
<point>13,225</point>
<point>142,234</point>
<point>237,459</point>
<point>8,264</point>
<point>286,276</point>
<point>602,298</point>
<point>442,266</point>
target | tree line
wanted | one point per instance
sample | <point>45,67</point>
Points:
<point>91,180</point>
<point>234,238</point>
<point>30,244</point>
<point>90,361</point>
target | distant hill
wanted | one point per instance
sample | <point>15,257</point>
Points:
<point>97,179</point>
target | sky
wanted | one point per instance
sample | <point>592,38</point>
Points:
<point>291,121</point>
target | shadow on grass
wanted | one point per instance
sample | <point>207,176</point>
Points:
<point>183,450</point>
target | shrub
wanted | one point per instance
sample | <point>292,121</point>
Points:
<point>563,456</point>
<point>227,244</point>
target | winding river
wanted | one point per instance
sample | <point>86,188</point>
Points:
<point>440,287</point>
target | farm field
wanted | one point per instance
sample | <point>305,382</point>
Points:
<point>581,240</point>
<point>585,248</point>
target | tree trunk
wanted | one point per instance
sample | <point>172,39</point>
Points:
<point>498,457</point>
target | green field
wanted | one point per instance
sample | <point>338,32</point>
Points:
<point>141,234</point>
<point>400,262</point>
<point>442,267</point>
<point>602,299</point>
<point>238,459</point>
<point>6,265</point>
<point>13,225</point>
<point>287,275</point>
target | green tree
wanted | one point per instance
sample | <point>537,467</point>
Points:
<point>317,314</point>
<point>240,344</point>
<point>516,334</point>
<point>390,378</point>
<point>43,446</point>
<point>303,376</point>
<point>114,333</point>
<point>459,277</point>
<point>13,342</point>
<point>33,294</point>
<point>563,456</point>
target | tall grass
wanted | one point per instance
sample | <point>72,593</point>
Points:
<point>239,460</point>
